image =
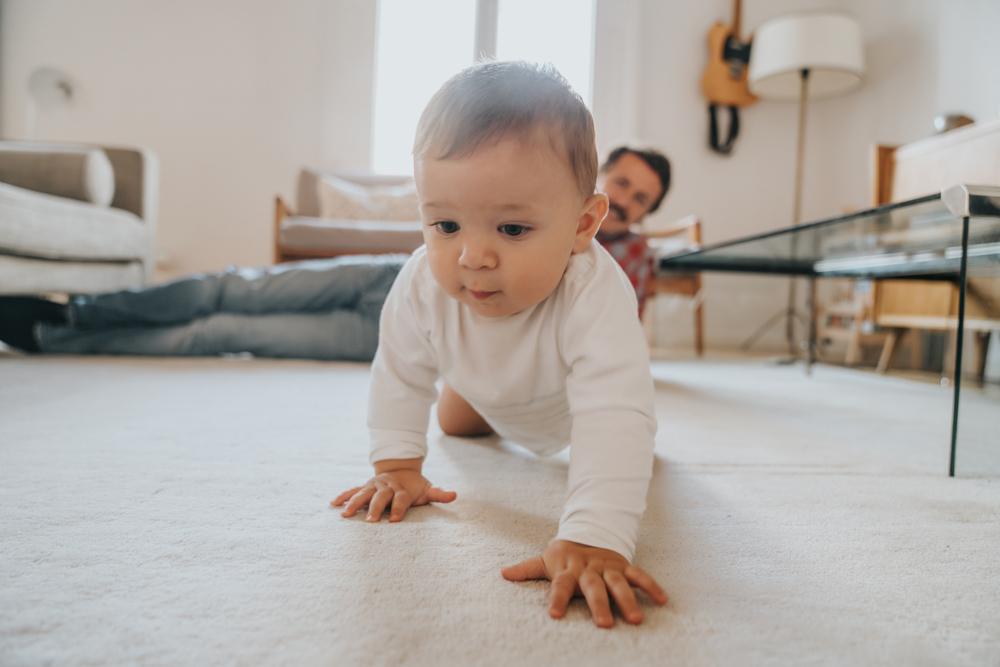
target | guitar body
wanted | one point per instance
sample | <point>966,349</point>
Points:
<point>722,83</point>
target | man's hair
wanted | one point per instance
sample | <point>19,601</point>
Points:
<point>491,101</point>
<point>656,160</point>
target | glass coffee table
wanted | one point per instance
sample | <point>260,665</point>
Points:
<point>952,237</point>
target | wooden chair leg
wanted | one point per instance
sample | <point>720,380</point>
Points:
<point>699,328</point>
<point>917,350</point>
<point>948,366</point>
<point>648,324</point>
<point>981,346</point>
<point>853,356</point>
<point>281,210</point>
<point>889,349</point>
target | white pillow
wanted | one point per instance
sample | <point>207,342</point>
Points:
<point>344,200</point>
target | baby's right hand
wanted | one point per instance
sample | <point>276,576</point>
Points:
<point>403,488</point>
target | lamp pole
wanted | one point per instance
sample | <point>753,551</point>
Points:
<point>821,53</point>
<point>800,149</point>
<point>790,313</point>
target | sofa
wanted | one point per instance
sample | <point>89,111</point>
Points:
<point>347,213</point>
<point>75,218</point>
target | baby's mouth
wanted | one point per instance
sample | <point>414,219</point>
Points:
<point>481,296</point>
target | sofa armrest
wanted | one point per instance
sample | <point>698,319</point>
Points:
<point>56,169</point>
<point>76,172</point>
<point>137,190</point>
<point>137,178</point>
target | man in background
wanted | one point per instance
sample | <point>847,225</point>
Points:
<point>636,181</point>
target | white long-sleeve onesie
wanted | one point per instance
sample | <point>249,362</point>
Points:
<point>572,370</point>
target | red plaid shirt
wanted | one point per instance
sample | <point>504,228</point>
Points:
<point>634,256</point>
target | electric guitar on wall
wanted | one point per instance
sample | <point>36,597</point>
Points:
<point>724,82</point>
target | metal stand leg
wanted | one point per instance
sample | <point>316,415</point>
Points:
<point>958,343</point>
<point>762,329</point>
<point>811,352</point>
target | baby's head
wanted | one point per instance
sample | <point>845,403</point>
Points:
<point>505,163</point>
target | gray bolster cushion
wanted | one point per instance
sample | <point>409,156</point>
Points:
<point>84,174</point>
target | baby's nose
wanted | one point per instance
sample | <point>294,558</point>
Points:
<point>477,256</point>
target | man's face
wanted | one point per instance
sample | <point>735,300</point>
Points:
<point>500,224</point>
<point>632,186</point>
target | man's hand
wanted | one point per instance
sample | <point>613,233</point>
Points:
<point>576,568</point>
<point>403,488</point>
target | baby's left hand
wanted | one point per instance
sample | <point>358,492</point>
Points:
<point>574,567</point>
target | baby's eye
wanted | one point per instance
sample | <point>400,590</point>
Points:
<point>513,230</point>
<point>446,226</point>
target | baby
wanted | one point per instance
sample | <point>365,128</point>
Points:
<point>530,324</point>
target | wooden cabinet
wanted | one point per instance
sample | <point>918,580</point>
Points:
<point>969,154</point>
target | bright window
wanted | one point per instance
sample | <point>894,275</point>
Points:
<point>422,44</point>
<point>560,32</point>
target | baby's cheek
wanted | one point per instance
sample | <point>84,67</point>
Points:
<point>537,287</point>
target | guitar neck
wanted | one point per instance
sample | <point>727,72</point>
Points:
<point>737,14</point>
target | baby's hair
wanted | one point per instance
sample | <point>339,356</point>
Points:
<point>493,100</point>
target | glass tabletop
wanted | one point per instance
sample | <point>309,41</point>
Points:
<point>917,238</point>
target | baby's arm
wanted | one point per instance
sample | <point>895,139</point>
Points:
<point>610,393</point>
<point>401,393</point>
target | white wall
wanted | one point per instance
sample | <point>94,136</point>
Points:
<point>233,95</point>
<point>931,57</point>
<point>924,57</point>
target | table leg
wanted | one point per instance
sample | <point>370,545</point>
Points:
<point>958,343</point>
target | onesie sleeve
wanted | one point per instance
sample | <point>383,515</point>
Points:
<point>404,371</point>
<point>610,392</point>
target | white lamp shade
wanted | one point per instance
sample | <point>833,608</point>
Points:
<point>828,45</point>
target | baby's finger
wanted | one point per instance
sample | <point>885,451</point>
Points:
<point>378,503</point>
<point>358,500</point>
<point>597,598</point>
<point>624,596</point>
<point>401,502</point>
<point>533,568</point>
<point>563,587</point>
<point>436,495</point>
<point>638,577</point>
<point>342,498</point>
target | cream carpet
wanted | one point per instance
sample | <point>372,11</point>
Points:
<point>174,512</point>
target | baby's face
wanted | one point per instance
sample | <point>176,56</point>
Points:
<point>500,224</point>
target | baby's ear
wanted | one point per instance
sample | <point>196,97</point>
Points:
<point>595,208</point>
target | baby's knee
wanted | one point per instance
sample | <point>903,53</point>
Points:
<point>464,430</point>
<point>447,424</point>
<point>456,417</point>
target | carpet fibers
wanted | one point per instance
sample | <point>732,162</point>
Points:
<point>174,512</point>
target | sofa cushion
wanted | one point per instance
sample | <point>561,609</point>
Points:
<point>341,199</point>
<point>27,275</point>
<point>39,225</point>
<point>311,236</point>
<point>77,172</point>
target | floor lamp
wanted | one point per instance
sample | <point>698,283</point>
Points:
<point>803,57</point>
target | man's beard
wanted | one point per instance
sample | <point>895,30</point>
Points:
<point>604,235</point>
<point>617,210</point>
